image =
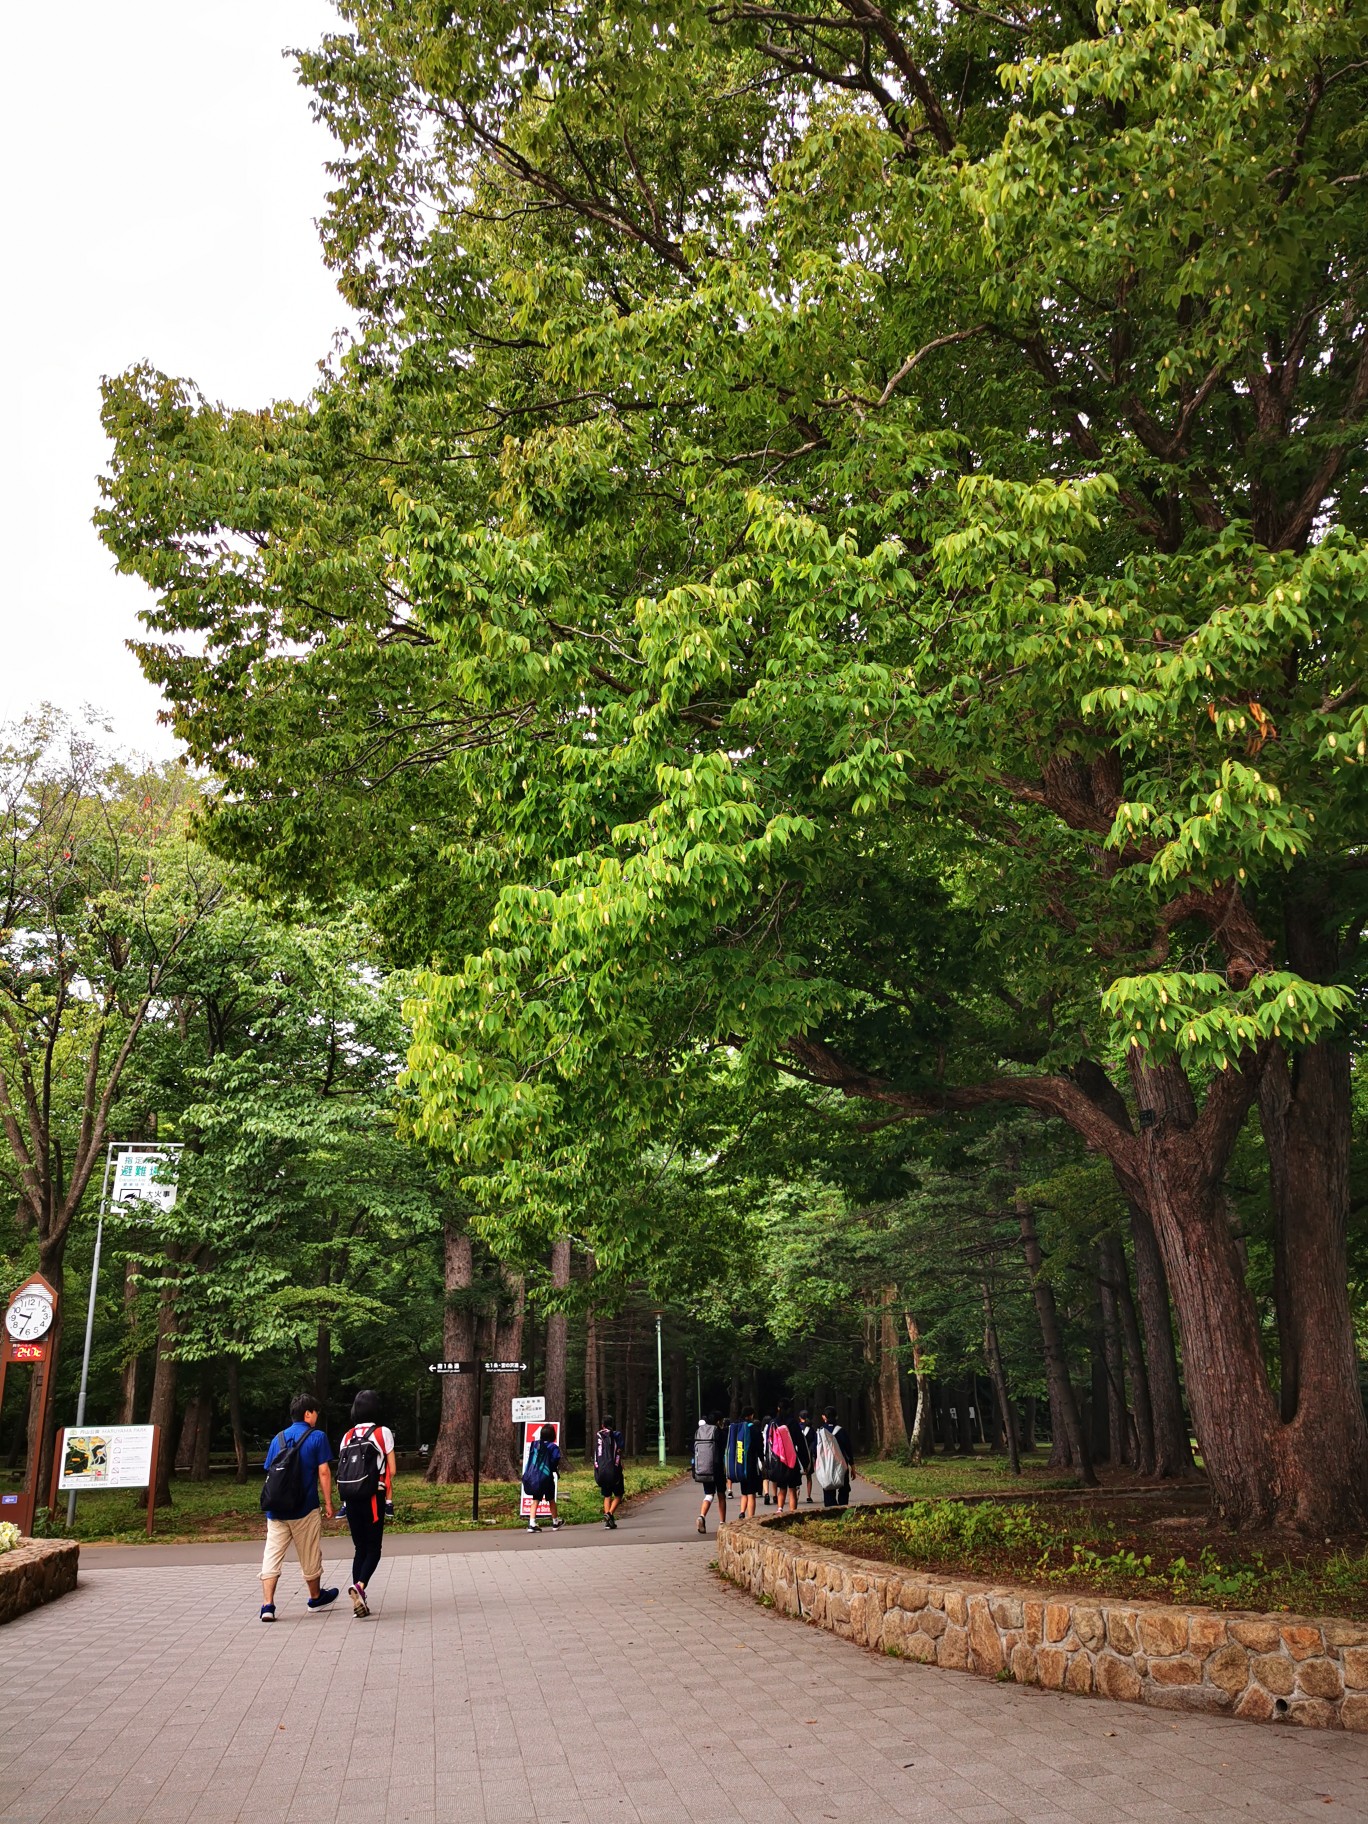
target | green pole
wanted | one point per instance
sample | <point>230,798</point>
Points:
<point>660,1392</point>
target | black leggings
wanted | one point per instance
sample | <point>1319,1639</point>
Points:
<point>368,1533</point>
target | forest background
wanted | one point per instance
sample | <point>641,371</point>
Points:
<point>805,669</point>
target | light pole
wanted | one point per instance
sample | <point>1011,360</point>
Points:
<point>660,1392</point>
<point>116,1148</point>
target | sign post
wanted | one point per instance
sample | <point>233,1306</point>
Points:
<point>479,1369</point>
<point>27,1339</point>
<point>660,1393</point>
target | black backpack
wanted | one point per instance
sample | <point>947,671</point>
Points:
<point>706,1467</point>
<point>607,1457</point>
<point>282,1493</point>
<point>358,1466</point>
<point>538,1472</point>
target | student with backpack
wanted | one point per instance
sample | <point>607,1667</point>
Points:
<point>745,1459</point>
<point>835,1461</point>
<point>296,1464</point>
<point>710,1468</point>
<point>539,1477</point>
<point>365,1481</point>
<point>782,1461</point>
<point>766,1484</point>
<point>608,1470</point>
<point>805,1437</point>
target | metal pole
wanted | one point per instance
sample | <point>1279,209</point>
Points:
<point>660,1392</point>
<point>698,1370</point>
<point>90,1316</point>
<point>479,1427</point>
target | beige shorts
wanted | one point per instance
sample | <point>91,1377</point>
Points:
<point>306,1535</point>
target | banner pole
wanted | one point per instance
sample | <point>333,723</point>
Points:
<point>90,1316</point>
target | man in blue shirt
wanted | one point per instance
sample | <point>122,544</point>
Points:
<point>294,1518</point>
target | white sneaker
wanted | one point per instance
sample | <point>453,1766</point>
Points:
<point>532,1527</point>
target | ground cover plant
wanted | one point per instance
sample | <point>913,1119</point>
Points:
<point>227,1510</point>
<point>1170,1549</point>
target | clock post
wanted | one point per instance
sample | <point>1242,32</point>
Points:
<point>26,1341</point>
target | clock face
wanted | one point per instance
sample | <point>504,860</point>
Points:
<point>30,1316</point>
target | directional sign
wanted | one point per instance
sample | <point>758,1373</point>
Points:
<point>505,1367</point>
<point>529,1410</point>
<point>451,1367</point>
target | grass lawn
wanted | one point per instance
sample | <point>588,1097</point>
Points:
<point>979,1474</point>
<point>224,1509</point>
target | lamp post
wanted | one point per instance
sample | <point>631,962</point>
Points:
<point>660,1393</point>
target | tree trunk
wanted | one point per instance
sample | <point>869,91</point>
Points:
<point>163,1407</point>
<point>204,1436</point>
<point>503,1452</point>
<point>1305,1111</point>
<point>1028,1422</point>
<point>453,1454</point>
<point>1117,1275</point>
<point>965,1408</point>
<point>1114,1369</point>
<point>557,1334</point>
<point>128,1379</point>
<point>679,1404</point>
<point>593,1410</point>
<point>189,1434</point>
<point>41,1439</point>
<point>998,1375</point>
<point>1172,1449</point>
<point>888,1398</point>
<point>1065,1423</point>
<point>1310,1474</point>
<point>922,1434</point>
<point>235,1418</point>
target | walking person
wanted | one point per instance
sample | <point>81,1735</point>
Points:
<point>608,1470</point>
<point>539,1477</point>
<point>835,1461</point>
<point>805,1437</point>
<point>767,1485</point>
<point>782,1462</point>
<point>365,1481</point>
<point>296,1467</point>
<point>745,1459</point>
<point>710,1468</point>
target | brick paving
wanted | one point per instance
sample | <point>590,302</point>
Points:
<point>542,1684</point>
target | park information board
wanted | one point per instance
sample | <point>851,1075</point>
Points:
<point>106,1456</point>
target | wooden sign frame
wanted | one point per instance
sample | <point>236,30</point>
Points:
<point>36,1355</point>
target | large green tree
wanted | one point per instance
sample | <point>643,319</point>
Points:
<point>840,539</point>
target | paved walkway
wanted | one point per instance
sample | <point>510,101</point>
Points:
<point>535,1683</point>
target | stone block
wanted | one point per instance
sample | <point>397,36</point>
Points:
<point>1275,1672</point>
<point>1344,1633</point>
<point>1356,1668</point>
<point>1023,1664</point>
<point>911,1596</point>
<point>1087,1624</point>
<point>1051,1663</point>
<point>1033,1620</point>
<point>1206,1632</point>
<point>984,1643</point>
<point>1312,1713</point>
<point>922,1648</point>
<point>1078,1675</point>
<point>1228,1669</point>
<point>956,1609</point>
<point>952,1649</point>
<point>1117,1678</point>
<point>1182,1669</point>
<point>1006,1611</point>
<point>1162,1632</point>
<point>1204,1700</point>
<point>1320,1678</point>
<point>1120,1624</point>
<point>932,1622</point>
<point>1258,1636</point>
<point>1302,1640</point>
<point>1255,1706</point>
<point>1058,1621</point>
<point>1354,1714</point>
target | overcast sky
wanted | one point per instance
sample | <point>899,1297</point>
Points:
<point>162,177</point>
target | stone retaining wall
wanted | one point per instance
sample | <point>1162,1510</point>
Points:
<point>36,1571</point>
<point>1264,1668</point>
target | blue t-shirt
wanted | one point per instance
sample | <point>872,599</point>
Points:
<point>313,1454</point>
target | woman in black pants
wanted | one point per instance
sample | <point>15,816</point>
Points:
<point>365,1480</point>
